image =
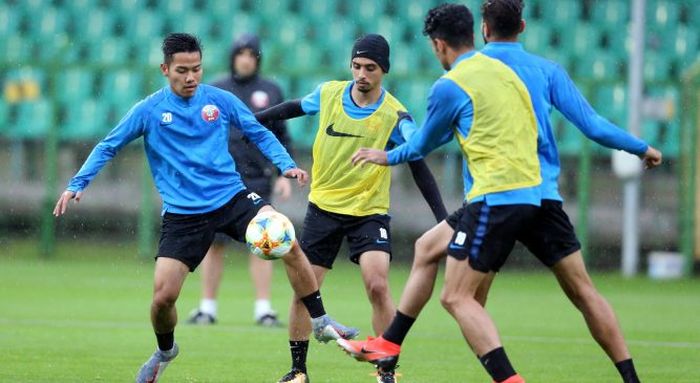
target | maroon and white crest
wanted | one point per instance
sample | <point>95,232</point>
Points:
<point>210,113</point>
<point>260,99</point>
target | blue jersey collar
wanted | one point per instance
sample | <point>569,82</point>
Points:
<point>350,101</point>
<point>504,45</point>
<point>181,101</point>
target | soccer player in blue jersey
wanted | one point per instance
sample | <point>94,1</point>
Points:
<point>553,239</point>
<point>185,127</point>
<point>482,104</point>
<point>347,201</point>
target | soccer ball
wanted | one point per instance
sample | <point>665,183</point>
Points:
<point>270,235</point>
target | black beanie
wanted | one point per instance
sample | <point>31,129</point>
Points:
<point>374,47</point>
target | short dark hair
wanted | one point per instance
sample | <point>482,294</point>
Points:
<point>179,42</point>
<point>503,16</point>
<point>453,23</point>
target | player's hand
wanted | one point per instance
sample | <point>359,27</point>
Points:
<point>652,158</point>
<point>301,176</point>
<point>283,188</point>
<point>373,156</point>
<point>62,203</point>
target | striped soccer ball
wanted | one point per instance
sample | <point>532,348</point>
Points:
<point>270,235</point>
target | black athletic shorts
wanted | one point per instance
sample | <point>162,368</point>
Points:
<point>487,234</point>
<point>551,237</point>
<point>323,233</point>
<point>187,237</point>
<point>263,187</point>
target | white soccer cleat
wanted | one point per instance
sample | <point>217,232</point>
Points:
<point>153,369</point>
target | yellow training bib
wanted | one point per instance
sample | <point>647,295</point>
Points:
<point>336,185</point>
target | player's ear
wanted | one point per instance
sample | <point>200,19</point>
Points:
<point>522,26</point>
<point>164,69</point>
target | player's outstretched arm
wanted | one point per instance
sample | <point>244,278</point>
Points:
<point>62,203</point>
<point>301,175</point>
<point>651,158</point>
<point>369,155</point>
<point>283,111</point>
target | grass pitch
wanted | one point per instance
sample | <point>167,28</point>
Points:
<point>82,316</point>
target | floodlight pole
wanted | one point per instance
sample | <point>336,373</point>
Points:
<point>630,241</point>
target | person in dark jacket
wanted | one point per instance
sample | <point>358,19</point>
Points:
<point>258,173</point>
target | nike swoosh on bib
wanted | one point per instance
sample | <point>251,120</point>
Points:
<point>333,133</point>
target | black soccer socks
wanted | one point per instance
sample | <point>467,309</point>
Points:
<point>165,341</point>
<point>399,327</point>
<point>497,364</point>
<point>627,371</point>
<point>314,304</point>
<point>299,349</point>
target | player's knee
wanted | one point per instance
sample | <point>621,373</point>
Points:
<point>422,245</point>
<point>164,298</point>
<point>377,289</point>
<point>449,300</point>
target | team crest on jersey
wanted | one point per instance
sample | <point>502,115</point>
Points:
<point>210,113</point>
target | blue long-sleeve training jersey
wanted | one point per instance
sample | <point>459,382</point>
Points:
<point>449,108</point>
<point>186,143</point>
<point>405,127</point>
<point>550,86</point>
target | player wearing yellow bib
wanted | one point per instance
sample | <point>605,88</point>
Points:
<point>487,108</point>
<point>347,201</point>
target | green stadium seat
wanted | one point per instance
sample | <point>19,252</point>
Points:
<point>611,13</point>
<point>618,40</point>
<point>32,121</point>
<point>665,133</point>
<point>110,51</point>
<point>393,30</point>
<point>663,14</point>
<point>16,50</point>
<point>9,20</point>
<point>403,59</point>
<point>610,101</point>
<point>600,65</point>
<point>657,66</point>
<point>324,12</point>
<point>229,28</point>
<point>4,120</point>
<point>413,94</point>
<point>411,11</point>
<point>49,22</point>
<point>537,37</point>
<point>100,24</point>
<point>337,40</point>
<point>122,88</point>
<point>74,85</point>
<point>578,39</point>
<point>33,7</point>
<point>302,131</point>
<point>58,48</point>
<point>225,9</point>
<point>304,58</point>
<point>85,121</point>
<point>365,13</point>
<point>684,41</point>
<point>193,22</point>
<point>292,31</point>
<point>143,25</point>
<point>175,9</point>
<point>565,13</point>
<point>149,53</point>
